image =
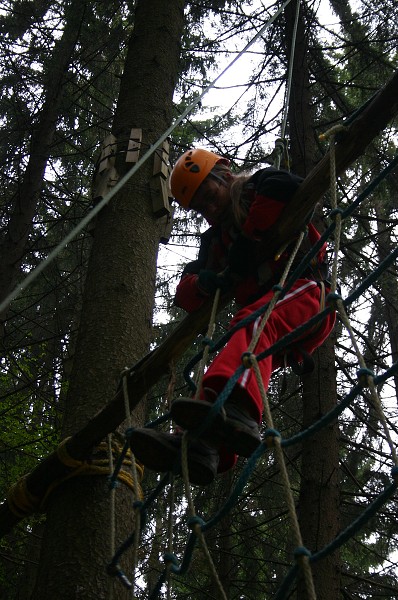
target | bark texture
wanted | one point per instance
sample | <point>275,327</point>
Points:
<point>115,325</point>
<point>319,487</point>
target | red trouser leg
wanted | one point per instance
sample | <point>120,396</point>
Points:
<point>299,305</point>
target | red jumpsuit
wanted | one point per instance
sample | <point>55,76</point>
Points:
<point>270,190</point>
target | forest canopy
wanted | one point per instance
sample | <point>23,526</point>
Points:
<point>77,79</point>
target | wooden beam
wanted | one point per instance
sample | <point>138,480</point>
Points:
<point>351,144</point>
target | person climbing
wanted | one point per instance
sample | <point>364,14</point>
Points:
<point>240,210</point>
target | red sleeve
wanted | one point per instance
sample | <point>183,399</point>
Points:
<point>188,296</point>
<point>313,236</point>
<point>263,212</point>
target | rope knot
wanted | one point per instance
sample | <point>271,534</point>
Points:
<point>194,521</point>
<point>335,213</point>
<point>170,559</point>
<point>248,359</point>
<point>270,437</point>
<point>128,433</point>
<point>277,288</point>
<point>207,341</point>
<point>333,298</point>
<point>364,375</point>
<point>301,553</point>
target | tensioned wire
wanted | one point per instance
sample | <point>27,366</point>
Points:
<point>288,87</point>
<point>80,226</point>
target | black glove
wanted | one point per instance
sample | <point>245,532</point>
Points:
<point>241,256</point>
<point>209,282</point>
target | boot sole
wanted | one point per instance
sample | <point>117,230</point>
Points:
<point>162,456</point>
<point>222,430</point>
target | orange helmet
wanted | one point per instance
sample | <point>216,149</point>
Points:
<point>189,171</point>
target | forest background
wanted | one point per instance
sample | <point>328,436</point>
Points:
<point>71,74</point>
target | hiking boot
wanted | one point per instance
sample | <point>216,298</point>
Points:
<point>161,452</point>
<point>231,427</point>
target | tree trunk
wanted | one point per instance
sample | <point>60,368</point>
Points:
<point>115,324</point>
<point>388,282</point>
<point>319,502</point>
<point>319,488</point>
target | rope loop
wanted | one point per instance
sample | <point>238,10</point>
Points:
<point>332,132</point>
<point>20,501</point>
<point>64,456</point>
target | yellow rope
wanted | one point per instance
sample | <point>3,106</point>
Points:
<point>250,360</point>
<point>22,503</point>
<point>64,456</point>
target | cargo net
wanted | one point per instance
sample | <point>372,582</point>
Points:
<point>365,390</point>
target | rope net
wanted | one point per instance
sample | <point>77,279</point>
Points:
<point>270,469</point>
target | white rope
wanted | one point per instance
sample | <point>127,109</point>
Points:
<point>80,226</point>
<point>288,88</point>
<point>290,71</point>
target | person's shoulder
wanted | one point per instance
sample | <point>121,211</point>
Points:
<point>276,183</point>
<point>272,173</point>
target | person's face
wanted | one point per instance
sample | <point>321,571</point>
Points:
<point>211,200</point>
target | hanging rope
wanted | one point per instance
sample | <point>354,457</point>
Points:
<point>281,144</point>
